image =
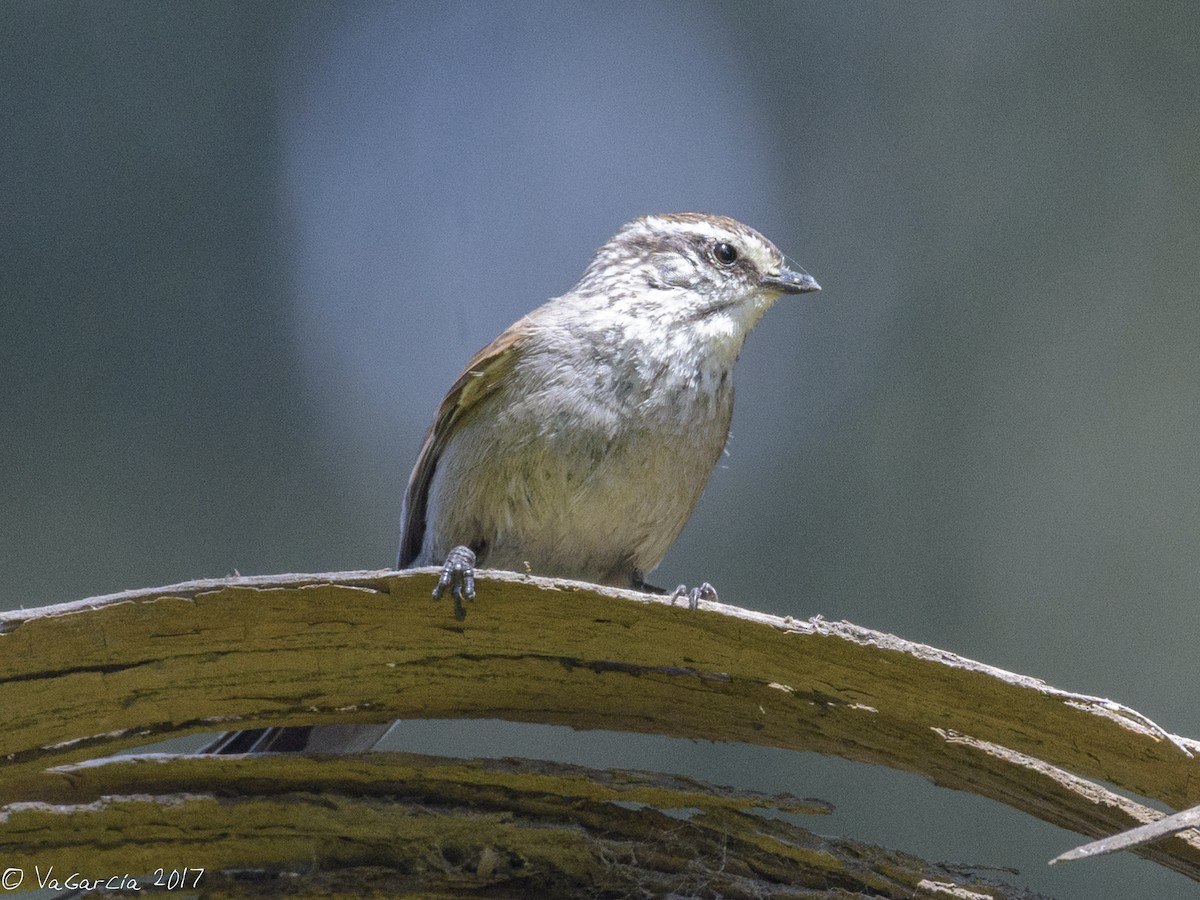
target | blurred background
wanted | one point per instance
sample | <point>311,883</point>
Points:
<point>245,249</point>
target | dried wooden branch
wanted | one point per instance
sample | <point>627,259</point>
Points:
<point>402,824</point>
<point>94,676</point>
<point>1135,837</point>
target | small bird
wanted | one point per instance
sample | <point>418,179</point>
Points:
<point>578,442</point>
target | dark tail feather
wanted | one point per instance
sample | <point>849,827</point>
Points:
<point>300,739</point>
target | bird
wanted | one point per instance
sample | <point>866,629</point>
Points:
<point>578,442</point>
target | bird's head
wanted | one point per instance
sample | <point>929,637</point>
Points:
<point>690,267</point>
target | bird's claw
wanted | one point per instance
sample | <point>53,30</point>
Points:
<point>458,574</point>
<point>705,592</point>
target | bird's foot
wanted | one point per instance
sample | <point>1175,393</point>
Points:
<point>705,592</point>
<point>458,574</point>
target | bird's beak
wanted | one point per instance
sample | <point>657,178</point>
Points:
<point>790,281</point>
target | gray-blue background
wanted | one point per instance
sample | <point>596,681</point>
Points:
<point>246,247</point>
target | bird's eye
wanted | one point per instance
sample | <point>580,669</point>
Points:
<point>725,254</point>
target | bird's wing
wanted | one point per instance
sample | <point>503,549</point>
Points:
<point>482,377</point>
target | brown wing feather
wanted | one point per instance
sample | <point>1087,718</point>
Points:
<point>482,377</point>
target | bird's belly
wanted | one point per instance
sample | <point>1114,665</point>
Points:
<point>574,504</point>
<point>600,525</point>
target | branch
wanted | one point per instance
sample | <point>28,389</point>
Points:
<point>403,824</point>
<point>1135,837</point>
<point>113,672</point>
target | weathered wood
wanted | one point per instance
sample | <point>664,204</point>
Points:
<point>407,825</point>
<point>1134,837</point>
<point>93,676</point>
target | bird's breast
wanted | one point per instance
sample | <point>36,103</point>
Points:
<point>583,482</point>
